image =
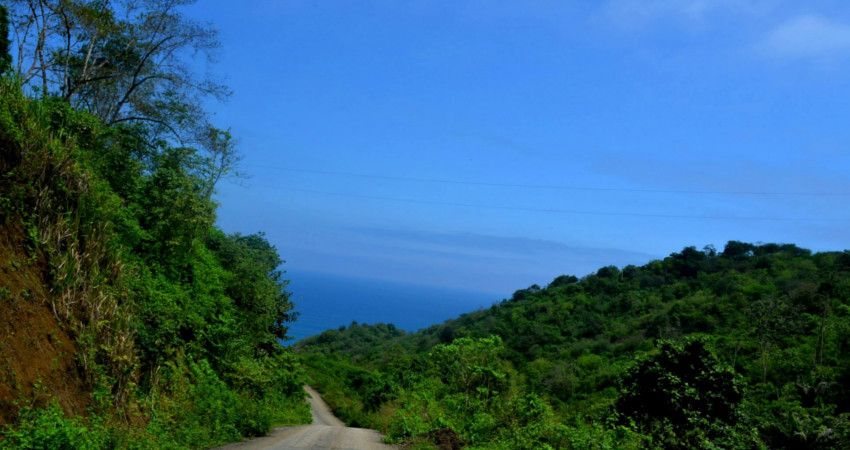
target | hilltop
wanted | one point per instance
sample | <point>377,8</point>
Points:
<point>768,324</point>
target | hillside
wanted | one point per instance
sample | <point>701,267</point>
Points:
<point>36,352</point>
<point>128,320</point>
<point>775,318</point>
<point>386,150</point>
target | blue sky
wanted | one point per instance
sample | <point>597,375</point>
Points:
<point>489,145</point>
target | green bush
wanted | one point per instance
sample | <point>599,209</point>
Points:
<point>48,428</point>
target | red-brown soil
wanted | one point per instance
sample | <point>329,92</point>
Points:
<point>36,354</point>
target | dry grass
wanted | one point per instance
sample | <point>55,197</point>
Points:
<point>84,273</point>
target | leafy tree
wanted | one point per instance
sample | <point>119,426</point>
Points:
<point>257,288</point>
<point>686,264</point>
<point>563,280</point>
<point>122,61</point>
<point>471,366</point>
<point>222,158</point>
<point>772,320</point>
<point>5,56</point>
<point>177,213</point>
<point>682,396</point>
<point>737,250</point>
<point>111,174</point>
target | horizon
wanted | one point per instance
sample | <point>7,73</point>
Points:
<point>327,301</point>
<point>494,146</point>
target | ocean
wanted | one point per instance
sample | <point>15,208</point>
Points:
<point>326,301</point>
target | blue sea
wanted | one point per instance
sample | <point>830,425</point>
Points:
<point>328,301</point>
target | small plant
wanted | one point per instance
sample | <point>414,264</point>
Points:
<point>5,292</point>
<point>32,236</point>
<point>5,205</point>
<point>9,376</point>
<point>54,338</point>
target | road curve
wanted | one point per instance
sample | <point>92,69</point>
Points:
<point>326,432</point>
<point>322,414</point>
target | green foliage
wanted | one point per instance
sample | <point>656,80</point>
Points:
<point>174,320</point>
<point>123,63</point>
<point>356,339</point>
<point>778,318</point>
<point>353,391</point>
<point>48,428</point>
<point>5,43</point>
<point>464,386</point>
<point>256,286</point>
<point>471,367</point>
<point>682,397</point>
<point>211,413</point>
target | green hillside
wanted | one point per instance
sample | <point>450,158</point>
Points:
<point>129,320</point>
<point>746,347</point>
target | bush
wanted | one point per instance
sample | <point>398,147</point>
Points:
<point>48,428</point>
<point>682,397</point>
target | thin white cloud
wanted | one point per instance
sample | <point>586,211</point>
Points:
<point>635,12</point>
<point>808,36</point>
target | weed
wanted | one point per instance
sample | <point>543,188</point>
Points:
<point>6,205</point>
<point>53,336</point>
<point>9,374</point>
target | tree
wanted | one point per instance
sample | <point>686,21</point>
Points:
<point>5,56</point>
<point>257,288</point>
<point>471,367</point>
<point>686,264</point>
<point>121,61</point>
<point>772,320</point>
<point>563,280</point>
<point>222,158</point>
<point>176,212</point>
<point>737,250</point>
<point>129,63</point>
<point>681,396</point>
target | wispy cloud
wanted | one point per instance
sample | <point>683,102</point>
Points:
<point>636,12</point>
<point>495,141</point>
<point>472,260</point>
<point>481,245</point>
<point>808,36</point>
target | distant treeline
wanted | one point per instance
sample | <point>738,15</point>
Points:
<point>748,347</point>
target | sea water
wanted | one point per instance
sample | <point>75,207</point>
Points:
<point>326,301</point>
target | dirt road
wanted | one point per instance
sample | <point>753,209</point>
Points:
<point>326,432</point>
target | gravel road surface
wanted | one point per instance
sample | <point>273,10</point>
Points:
<point>326,432</point>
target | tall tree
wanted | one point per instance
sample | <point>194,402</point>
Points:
<point>257,288</point>
<point>127,60</point>
<point>5,57</point>
<point>223,158</point>
<point>682,396</point>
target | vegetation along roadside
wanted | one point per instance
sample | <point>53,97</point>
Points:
<point>129,320</point>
